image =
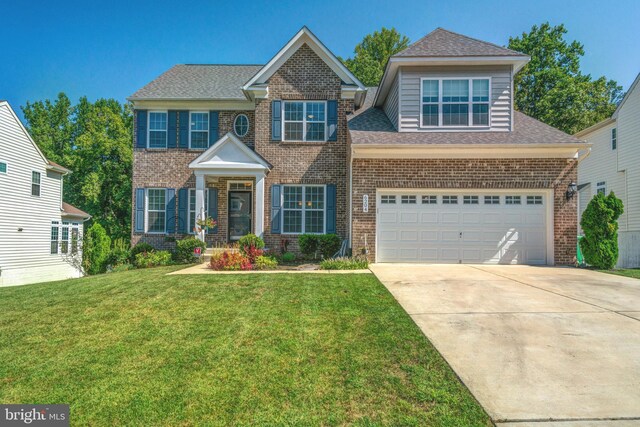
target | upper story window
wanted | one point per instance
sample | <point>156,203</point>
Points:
<point>241,125</point>
<point>3,167</point>
<point>35,184</point>
<point>601,188</point>
<point>157,129</point>
<point>305,120</point>
<point>198,130</point>
<point>614,138</point>
<point>455,102</point>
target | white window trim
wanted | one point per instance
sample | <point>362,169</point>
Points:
<point>7,167</point>
<point>55,224</point>
<point>614,139</point>
<point>208,127</point>
<point>146,211</point>
<point>206,204</point>
<point>166,130</point>
<point>602,185</point>
<point>248,125</point>
<point>39,184</point>
<point>440,103</point>
<point>304,120</point>
<point>324,209</point>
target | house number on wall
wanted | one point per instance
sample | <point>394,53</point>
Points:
<point>365,203</point>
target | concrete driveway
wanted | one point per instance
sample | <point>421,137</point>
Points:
<point>533,344</point>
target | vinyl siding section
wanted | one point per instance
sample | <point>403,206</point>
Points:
<point>629,155</point>
<point>391,103</point>
<point>25,255</point>
<point>500,104</point>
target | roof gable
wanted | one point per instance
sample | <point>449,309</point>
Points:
<point>304,36</point>
<point>627,95</point>
<point>445,43</point>
<point>229,153</point>
<point>19,125</point>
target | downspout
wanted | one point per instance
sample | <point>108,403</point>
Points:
<point>351,198</point>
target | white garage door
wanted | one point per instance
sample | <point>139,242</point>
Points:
<point>462,227</point>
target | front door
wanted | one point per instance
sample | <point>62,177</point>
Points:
<point>239,214</point>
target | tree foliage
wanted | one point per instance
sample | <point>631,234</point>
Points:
<point>94,141</point>
<point>600,225</point>
<point>551,87</point>
<point>373,52</point>
<point>96,249</point>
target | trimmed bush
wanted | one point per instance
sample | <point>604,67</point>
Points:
<point>600,225</point>
<point>308,244</point>
<point>265,263</point>
<point>140,248</point>
<point>96,249</point>
<point>152,259</point>
<point>185,247</point>
<point>229,261</point>
<point>288,257</point>
<point>248,241</point>
<point>328,245</point>
<point>344,264</point>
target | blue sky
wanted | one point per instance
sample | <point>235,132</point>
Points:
<point>110,48</point>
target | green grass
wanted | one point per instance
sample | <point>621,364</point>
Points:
<point>143,348</point>
<point>628,272</point>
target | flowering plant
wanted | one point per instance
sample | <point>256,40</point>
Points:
<point>207,223</point>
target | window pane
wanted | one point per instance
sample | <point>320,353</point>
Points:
<point>430,91</point>
<point>293,131</point>
<point>408,200</point>
<point>157,139</point>
<point>314,222</point>
<point>292,222</point>
<point>315,131</point>
<point>455,91</point>
<point>35,189</point>
<point>241,125</point>
<point>314,198</point>
<point>481,90</point>
<point>35,177</point>
<point>156,221</point>
<point>430,115</point>
<point>293,111</point>
<point>3,167</point>
<point>480,114</point>
<point>157,121</point>
<point>199,121</point>
<point>292,198</point>
<point>199,139</point>
<point>491,200</point>
<point>315,112</point>
<point>450,200</point>
<point>455,115</point>
<point>388,200</point>
<point>429,200</point>
<point>156,200</point>
<point>470,200</point>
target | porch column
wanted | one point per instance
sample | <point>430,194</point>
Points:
<point>201,211</point>
<point>259,205</point>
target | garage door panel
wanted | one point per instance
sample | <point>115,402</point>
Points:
<point>409,236</point>
<point>449,217</point>
<point>429,235</point>
<point>388,217</point>
<point>429,217</point>
<point>408,217</point>
<point>450,254</point>
<point>449,235</point>
<point>471,218</point>
<point>387,236</point>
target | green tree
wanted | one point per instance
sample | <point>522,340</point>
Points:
<point>93,140</point>
<point>96,249</point>
<point>551,87</point>
<point>600,225</point>
<point>373,52</point>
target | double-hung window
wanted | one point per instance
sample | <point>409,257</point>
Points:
<point>156,210</point>
<point>305,120</point>
<point>199,130</point>
<point>614,138</point>
<point>55,230</point>
<point>192,207</point>
<point>64,241</point>
<point>455,102</point>
<point>157,129</point>
<point>601,188</point>
<point>303,209</point>
<point>35,184</point>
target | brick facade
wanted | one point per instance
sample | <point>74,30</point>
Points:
<point>556,174</point>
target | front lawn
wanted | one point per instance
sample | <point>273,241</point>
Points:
<point>143,348</point>
<point>628,272</point>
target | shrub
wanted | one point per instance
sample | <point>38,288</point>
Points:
<point>288,257</point>
<point>120,252</point>
<point>252,253</point>
<point>185,247</point>
<point>328,245</point>
<point>344,264</point>
<point>229,261</point>
<point>600,225</point>
<point>121,267</point>
<point>308,244</point>
<point>96,249</point>
<point>265,263</point>
<point>249,240</point>
<point>140,248</point>
<point>152,259</point>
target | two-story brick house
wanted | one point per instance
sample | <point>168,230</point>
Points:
<point>432,166</point>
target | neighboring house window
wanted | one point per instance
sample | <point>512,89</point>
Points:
<point>156,210</point>
<point>157,129</point>
<point>75,233</point>
<point>241,125</point>
<point>55,229</point>
<point>455,102</point>
<point>303,209</point>
<point>35,184</point>
<point>304,121</point>
<point>199,130</point>
<point>614,138</point>
<point>192,207</point>
<point>3,167</point>
<point>64,241</point>
<point>601,188</point>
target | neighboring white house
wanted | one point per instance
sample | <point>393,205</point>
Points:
<point>40,235</point>
<point>614,165</point>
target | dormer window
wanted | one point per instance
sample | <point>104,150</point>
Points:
<point>455,102</point>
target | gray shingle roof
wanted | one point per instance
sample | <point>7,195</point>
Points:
<point>373,127</point>
<point>441,42</point>
<point>199,82</point>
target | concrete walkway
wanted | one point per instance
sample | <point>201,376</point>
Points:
<point>537,346</point>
